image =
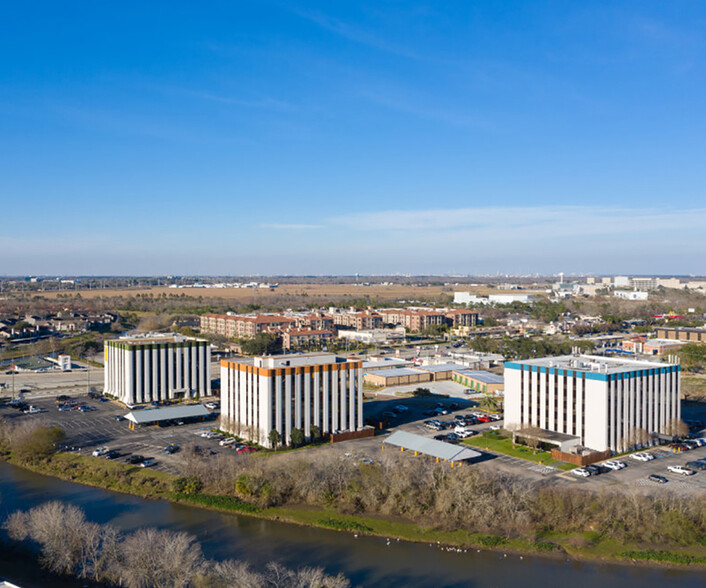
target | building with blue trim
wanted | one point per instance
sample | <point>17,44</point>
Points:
<point>607,403</point>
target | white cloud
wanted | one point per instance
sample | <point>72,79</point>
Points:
<point>553,220</point>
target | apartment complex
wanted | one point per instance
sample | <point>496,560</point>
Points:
<point>605,403</point>
<point>246,326</point>
<point>418,320</point>
<point>156,367</point>
<point>359,320</point>
<point>284,392</point>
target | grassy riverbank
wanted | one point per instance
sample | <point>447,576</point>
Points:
<point>153,484</point>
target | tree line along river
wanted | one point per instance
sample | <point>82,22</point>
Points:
<point>366,561</point>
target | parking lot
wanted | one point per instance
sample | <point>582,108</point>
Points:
<point>98,427</point>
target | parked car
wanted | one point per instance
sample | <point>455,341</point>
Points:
<point>639,457</point>
<point>211,405</point>
<point>135,459</point>
<point>696,465</point>
<point>148,463</point>
<point>658,479</point>
<point>583,472</point>
<point>226,441</point>
<point>679,469</point>
<point>100,451</point>
<point>62,398</point>
<point>111,454</point>
<point>614,465</point>
<point>246,449</point>
<point>119,417</point>
<point>33,410</point>
<point>594,469</point>
<point>171,448</point>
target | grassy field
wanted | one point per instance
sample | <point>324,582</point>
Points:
<point>254,295</point>
<point>495,442</point>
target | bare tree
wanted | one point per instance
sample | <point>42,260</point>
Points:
<point>230,573</point>
<point>159,558</point>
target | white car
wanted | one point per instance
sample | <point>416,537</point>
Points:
<point>495,427</point>
<point>615,465</point>
<point>581,472</point>
<point>211,405</point>
<point>677,469</point>
<point>226,441</point>
<point>100,451</point>
<point>32,410</point>
<point>640,457</point>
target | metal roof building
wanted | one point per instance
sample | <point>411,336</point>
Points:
<point>156,415</point>
<point>482,376</point>
<point>432,447</point>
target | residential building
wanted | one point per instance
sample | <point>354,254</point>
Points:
<point>244,326</point>
<point>359,320</point>
<point>284,392</point>
<point>299,338</point>
<point>155,367</point>
<point>606,403</point>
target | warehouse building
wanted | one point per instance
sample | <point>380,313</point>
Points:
<point>397,377</point>
<point>607,403</point>
<point>441,371</point>
<point>156,367</point>
<point>480,381</point>
<point>687,334</point>
<point>284,392</point>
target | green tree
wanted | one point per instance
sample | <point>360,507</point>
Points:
<point>274,438</point>
<point>187,485</point>
<point>263,344</point>
<point>297,438</point>
<point>315,433</point>
<point>37,444</point>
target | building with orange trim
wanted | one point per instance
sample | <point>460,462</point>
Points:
<point>286,392</point>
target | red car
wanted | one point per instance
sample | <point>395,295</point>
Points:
<point>484,419</point>
<point>246,449</point>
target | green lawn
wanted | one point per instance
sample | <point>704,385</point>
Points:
<point>495,442</point>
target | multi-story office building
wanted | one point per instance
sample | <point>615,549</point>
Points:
<point>606,403</point>
<point>152,367</point>
<point>284,392</point>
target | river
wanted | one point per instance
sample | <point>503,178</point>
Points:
<point>367,561</point>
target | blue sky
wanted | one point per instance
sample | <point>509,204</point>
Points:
<point>340,137</point>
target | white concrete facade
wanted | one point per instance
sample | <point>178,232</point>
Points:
<point>291,391</point>
<point>151,368</point>
<point>608,403</point>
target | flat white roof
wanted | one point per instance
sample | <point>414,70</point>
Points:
<point>165,414</point>
<point>591,363</point>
